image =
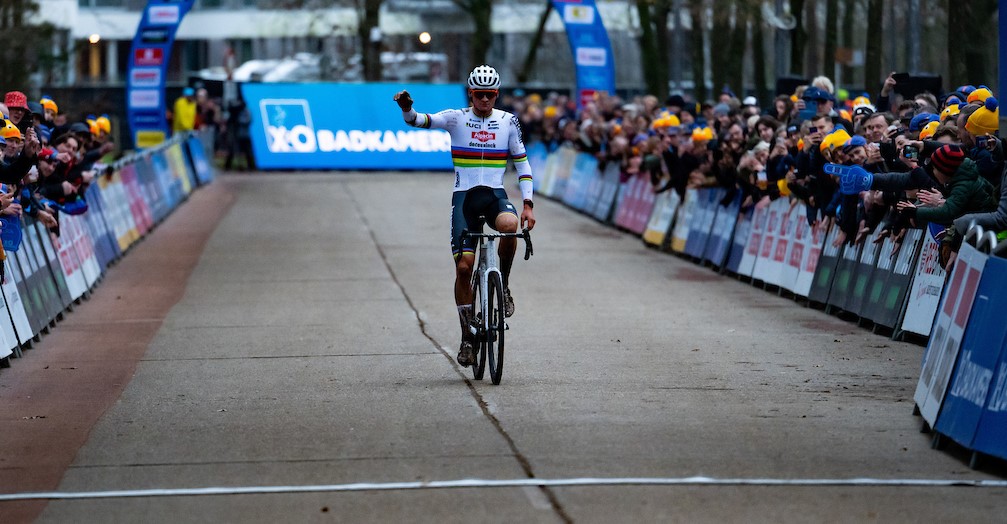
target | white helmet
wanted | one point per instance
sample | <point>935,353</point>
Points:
<point>484,77</point>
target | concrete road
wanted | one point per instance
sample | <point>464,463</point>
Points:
<point>313,344</point>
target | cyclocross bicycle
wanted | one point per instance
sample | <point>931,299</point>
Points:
<point>489,323</point>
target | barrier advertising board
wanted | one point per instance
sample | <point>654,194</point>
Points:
<point>584,173</point>
<point>722,234</point>
<point>661,218</point>
<point>813,242</point>
<point>312,126</point>
<point>683,220</point>
<point>948,329</point>
<point>635,206</point>
<point>989,437</point>
<point>742,230</point>
<point>609,189</point>
<point>862,274</point>
<point>982,349</point>
<point>842,284</point>
<point>760,221</point>
<point>702,221</point>
<point>775,243</point>
<point>556,186</point>
<point>825,273</point>
<point>928,281</point>
<point>893,296</point>
<point>15,305</point>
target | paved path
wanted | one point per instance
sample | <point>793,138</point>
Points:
<point>313,345</point>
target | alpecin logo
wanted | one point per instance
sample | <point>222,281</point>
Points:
<point>484,136</point>
<point>288,126</point>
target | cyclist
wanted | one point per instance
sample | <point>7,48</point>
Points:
<point>482,137</point>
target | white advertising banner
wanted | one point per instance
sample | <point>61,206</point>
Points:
<point>948,329</point>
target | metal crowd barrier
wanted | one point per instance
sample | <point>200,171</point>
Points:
<point>896,287</point>
<point>46,274</point>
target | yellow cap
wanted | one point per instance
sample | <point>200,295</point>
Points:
<point>104,124</point>
<point>49,104</point>
<point>10,131</point>
<point>928,130</point>
<point>702,134</point>
<point>950,111</point>
<point>980,94</point>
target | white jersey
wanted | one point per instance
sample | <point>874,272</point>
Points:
<point>480,146</point>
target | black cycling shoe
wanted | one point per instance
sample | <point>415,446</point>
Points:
<point>508,304</point>
<point>466,354</point>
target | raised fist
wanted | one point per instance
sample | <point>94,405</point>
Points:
<point>404,100</point>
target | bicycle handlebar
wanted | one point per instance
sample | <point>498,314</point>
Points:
<point>525,234</point>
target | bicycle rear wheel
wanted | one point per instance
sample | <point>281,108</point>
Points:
<point>494,341</point>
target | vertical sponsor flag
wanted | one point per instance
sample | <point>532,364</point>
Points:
<point>146,70</point>
<point>592,51</point>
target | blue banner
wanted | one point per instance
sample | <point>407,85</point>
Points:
<point>147,70</point>
<point>592,51</point>
<point>982,349</point>
<point>347,126</point>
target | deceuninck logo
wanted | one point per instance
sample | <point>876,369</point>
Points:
<point>288,127</point>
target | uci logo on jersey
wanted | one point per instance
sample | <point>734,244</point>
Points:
<point>484,136</point>
<point>288,126</point>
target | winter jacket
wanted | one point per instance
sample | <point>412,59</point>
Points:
<point>966,192</point>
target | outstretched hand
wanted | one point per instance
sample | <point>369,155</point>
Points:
<point>528,218</point>
<point>404,100</point>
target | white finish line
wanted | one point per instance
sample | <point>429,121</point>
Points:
<point>487,483</point>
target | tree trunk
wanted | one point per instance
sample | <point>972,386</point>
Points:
<point>696,50</point>
<point>662,41</point>
<point>735,62</point>
<point>812,60</point>
<point>720,45</point>
<point>977,21</point>
<point>872,54</point>
<point>849,10</point>
<point>759,58</point>
<point>648,48</point>
<point>370,45</point>
<point>482,39</point>
<point>798,38</point>
<point>831,39</point>
<point>536,41</point>
<point>654,45</point>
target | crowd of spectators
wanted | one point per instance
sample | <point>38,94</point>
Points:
<point>893,162</point>
<point>47,161</point>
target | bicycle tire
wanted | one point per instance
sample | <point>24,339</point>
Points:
<point>479,367</point>
<point>495,328</point>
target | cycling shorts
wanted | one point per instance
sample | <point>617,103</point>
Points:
<point>467,207</point>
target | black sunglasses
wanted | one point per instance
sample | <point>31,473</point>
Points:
<point>487,94</point>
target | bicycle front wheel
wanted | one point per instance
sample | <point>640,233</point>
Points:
<point>495,327</point>
<point>479,367</point>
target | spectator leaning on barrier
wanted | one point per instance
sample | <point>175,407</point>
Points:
<point>959,181</point>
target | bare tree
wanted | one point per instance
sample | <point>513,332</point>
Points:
<point>798,37</point>
<point>654,45</point>
<point>697,22</point>
<point>481,12</point>
<point>831,38</point>
<point>369,32</point>
<point>875,38</point>
<point>536,41</point>
<point>971,31</point>
<point>23,43</point>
